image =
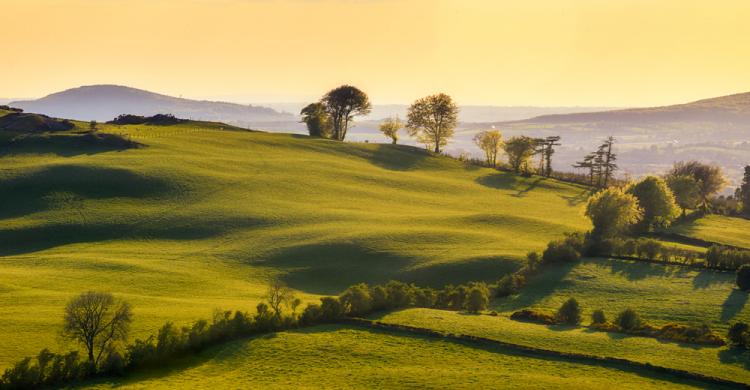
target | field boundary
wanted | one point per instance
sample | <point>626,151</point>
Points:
<point>546,352</point>
<point>679,238</point>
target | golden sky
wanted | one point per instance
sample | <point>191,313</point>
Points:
<point>520,52</point>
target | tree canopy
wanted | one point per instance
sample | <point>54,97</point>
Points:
<point>612,212</point>
<point>709,177</point>
<point>96,320</point>
<point>342,104</point>
<point>316,118</point>
<point>491,143</point>
<point>519,150</point>
<point>390,127</point>
<point>657,202</point>
<point>686,191</point>
<point>432,120</point>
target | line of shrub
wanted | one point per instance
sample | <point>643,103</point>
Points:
<point>158,119</point>
<point>48,369</point>
<point>628,321</point>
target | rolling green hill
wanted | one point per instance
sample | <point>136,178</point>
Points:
<point>338,357</point>
<point>716,228</point>
<point>201,215</point>
<point>660,294</point>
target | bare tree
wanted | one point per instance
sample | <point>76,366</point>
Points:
<point>491,143</point>
<point>278,295</point>
<point>432,120</point>
<point>98,321</point>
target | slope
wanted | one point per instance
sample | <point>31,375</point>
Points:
<point>200,216</point>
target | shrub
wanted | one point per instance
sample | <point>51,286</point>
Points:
<point>628,319</point>
<point>598,317</point>
<point>379,297</point>
<point>569,313</point>
<point>399,294</point>
<point>331,309</point>
<point>743,277</point>
<point>739,335</point>
<point>312,314</point>
<point>424,297</point>
<point>510,284</point>
<point>560,251</point>
<point>649,249</point>
<point>356,300</point>
<point>478,298</point>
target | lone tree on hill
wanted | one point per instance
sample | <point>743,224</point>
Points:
<point>547,150</point>
<point>390,127</point>
<point>316,118</point>
<point>612,212</point>
<point>709,178</point>
<point>657,202</point>
<point>432,120</point>
<point>98,321</point>
<point>519,150</point>
<point>686,191</point>
<point>606,160</point>
<point>342,104</point>
<point>491,143</point>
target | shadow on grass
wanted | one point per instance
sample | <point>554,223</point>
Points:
<point>64,145</point>
<point>735,356</point>
<point>33,239</point>
<point>509,181</point>
<point>577,199</point>
<point>398,157</point>
<point>634,270</point>
<point>708,278</point>
<point>332,267</point>
<point>539,287</point>
<point>733,305</point>
<point>65,186</point>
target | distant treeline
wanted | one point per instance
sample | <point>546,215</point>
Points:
<point>157,120</point>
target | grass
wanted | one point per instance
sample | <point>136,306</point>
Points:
<point>339,357</point>
<point>660,294</point>
<point>718,362</point>
<point>716,228</point>
<point>201,215</point>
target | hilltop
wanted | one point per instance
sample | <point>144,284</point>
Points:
<point>105,102</point>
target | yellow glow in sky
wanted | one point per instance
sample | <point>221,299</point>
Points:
<point>533,52</point>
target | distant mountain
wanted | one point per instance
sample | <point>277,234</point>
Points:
<point>726,109</point>
<point>105,102</point>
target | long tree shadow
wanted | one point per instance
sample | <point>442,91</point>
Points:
<point>398,157</point>
<point>733,305</point>
<point>735,356</point>
<point>68,145</point>
<point>499,180</point>
<point>575,200</point>
<point>539,287</point>
<point>708,278</point>
<point>522,191</point>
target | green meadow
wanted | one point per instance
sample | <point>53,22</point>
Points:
<point>340,357</point>
<point>201,215</point>
<point>715,228</point>
<point>660,294</point>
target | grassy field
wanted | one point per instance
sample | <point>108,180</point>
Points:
<point>661,294</point>
<point>717,228</point>
<point>199,217</point>
<point>337,357</point>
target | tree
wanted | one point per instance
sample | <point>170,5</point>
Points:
<point>657,202</point>
<point>316,118</point>
<point>709,178</point>
<point>686,191</point>
<point>743,193</point>
<point>548,150</point>
<point>278,294</point>
<point>739,335</point>
<point>598,317</point>
<point>432,120</point>
<point>98,321</point>
<point>93,127</point>
<point>743,277</point>
<point>491,142</point>
<point>390,127</point>
<point>478,298</point>
<point>356,300</point>
<point>606,161</point>
<point>519,150</point>
<point>588,163</point>
<point>342,104</point>
<point>570,312</point>
<point>612,212</point>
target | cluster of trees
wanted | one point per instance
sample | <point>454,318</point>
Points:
<point>742,194</point>
<point>645,249</point>
<point>334,113</point>
<point>520,150</point>
<point>722,257</point>
<point>129,119</point>
<point>601,164</point>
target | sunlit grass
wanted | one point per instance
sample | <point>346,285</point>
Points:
<point>716,228</point>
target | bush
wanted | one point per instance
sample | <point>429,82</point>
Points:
<point>356,300</point>
<point>569,313</point>
<point>560,251</point>
<point>510,284</point>
<point>743,277</point>
<point>331,309</point>
<point>399,294</point>
<point>739,335</point>
<point>722,257</point>
<point>478,298</point>
<point>598,317</point>
<point>628,319</point>
<point>379,297</point>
